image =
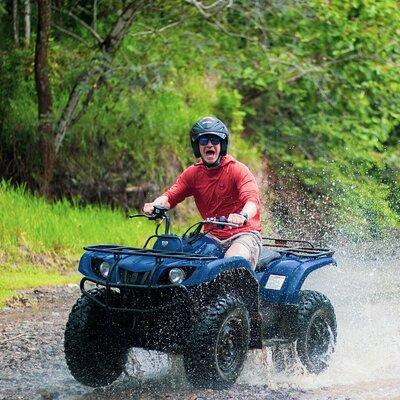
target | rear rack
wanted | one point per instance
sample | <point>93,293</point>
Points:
<point>132,251</point>
<point>302,248</point>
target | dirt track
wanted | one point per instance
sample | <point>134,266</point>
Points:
<point>366,295</point>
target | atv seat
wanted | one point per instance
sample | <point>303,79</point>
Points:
<point>266,257</point>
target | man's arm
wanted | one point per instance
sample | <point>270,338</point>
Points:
<point>174,195</point>
<point>248,194</point>
<point>250,208</point>
<point>248,211</point>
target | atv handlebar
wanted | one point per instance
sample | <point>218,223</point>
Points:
<point>194,235</point>
<point>159,212</point>
<point>221,222</point>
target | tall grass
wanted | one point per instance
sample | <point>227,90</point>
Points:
<point>40,242</point>
<point>61,228</point>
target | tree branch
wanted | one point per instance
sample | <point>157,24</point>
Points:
<point>219,26</point>
<point>303,72</point>
<point>155,31</point>
<point>72,34</point>
<point>86,102</point>
<point>83,23</point>
<point>204,10</point>
<point>13,338</point>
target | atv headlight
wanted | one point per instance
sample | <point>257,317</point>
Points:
<point>104,269</point>
<point>176,275</point>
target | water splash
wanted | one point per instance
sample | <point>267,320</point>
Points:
<point>365,291</point>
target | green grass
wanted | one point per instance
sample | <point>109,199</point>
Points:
<point>40,241</point>
<point>60,228</point>
<point>28,277</point>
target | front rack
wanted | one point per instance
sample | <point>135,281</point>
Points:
<point>132,251</point>
<point>302,248</point>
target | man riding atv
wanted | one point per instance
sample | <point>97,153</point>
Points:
<point>221,186</point>
<point>183,294</point>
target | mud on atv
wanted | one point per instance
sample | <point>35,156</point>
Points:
<point>178,294</point>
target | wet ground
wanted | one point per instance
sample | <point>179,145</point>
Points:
<point>365,291</point>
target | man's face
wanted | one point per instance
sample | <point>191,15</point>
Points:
<point>209,151</point>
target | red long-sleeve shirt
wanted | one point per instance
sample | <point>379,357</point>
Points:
<point>219,192</point>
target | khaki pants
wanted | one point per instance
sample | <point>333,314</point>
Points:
<point>251,240</point>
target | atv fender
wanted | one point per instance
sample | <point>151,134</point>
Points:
<point>291,274</point>
<point>214,268</point>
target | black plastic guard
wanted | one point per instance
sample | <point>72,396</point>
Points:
<point>279,322</point>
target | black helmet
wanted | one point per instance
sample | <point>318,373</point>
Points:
<point>209,126</point>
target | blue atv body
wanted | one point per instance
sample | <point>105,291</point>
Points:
<point>178,294</point>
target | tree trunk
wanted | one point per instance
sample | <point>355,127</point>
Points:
<point>27,19</point>
<point>88,82</point>
<point>43,89</point>
<point>94,22</point>
<point>58,13</point>
<point>15,21</point>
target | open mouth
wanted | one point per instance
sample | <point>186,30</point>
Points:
<point>210,153</point>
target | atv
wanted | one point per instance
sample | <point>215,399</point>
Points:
<point>178,294</point>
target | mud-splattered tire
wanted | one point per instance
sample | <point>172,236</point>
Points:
<point>317,331</point>
<point>218,344</point>
<point>93,349</point>
<point>316,340</point>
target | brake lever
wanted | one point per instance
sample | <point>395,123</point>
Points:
<point>137,215</point>
<point>151,217</point>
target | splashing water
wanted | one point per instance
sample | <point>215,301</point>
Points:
<point>365,291</point>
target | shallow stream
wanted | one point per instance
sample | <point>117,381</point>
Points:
<point>364,289</point>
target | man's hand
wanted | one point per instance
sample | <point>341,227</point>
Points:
<point>236,219</point>
<point>148,208</point>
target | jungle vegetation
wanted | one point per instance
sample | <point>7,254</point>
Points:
<point>97,98</point>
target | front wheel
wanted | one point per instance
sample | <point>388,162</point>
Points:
<point>218,344</point>
<point>94,351</point>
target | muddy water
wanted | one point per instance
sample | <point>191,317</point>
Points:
<point>365,291</point>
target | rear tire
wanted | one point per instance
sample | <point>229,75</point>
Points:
<point>316,340</point>
<point>218,344</point>
<point>317,331</point>
<point>94,352</point>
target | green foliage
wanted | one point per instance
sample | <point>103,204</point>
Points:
<point>321,93</point>
<point>18,115</point>
<point>314,87</point>
<point>150,106</point>
<point>144,131</point>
